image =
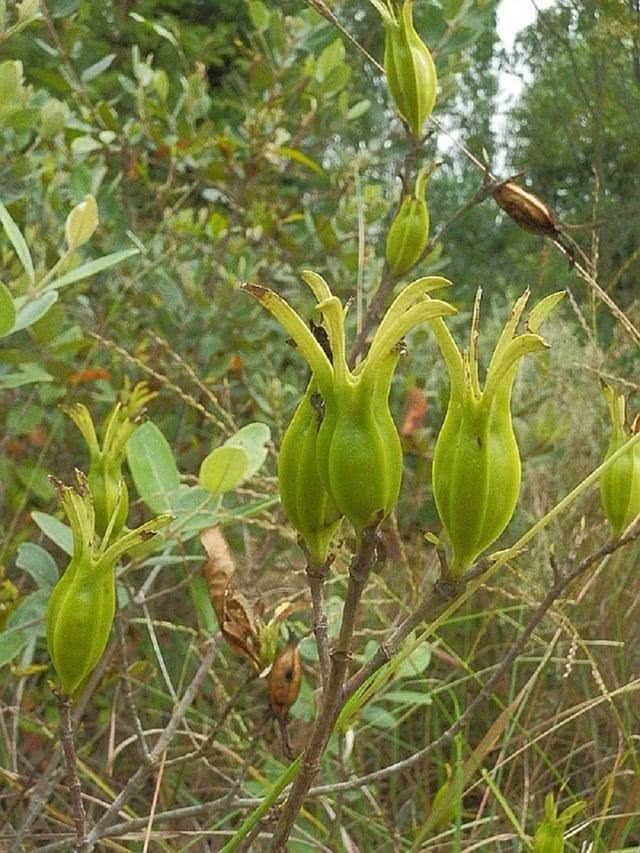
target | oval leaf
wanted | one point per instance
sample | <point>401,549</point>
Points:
<point>153,467</point>
<point>55,530</point>
<point>252,438</point>
<point>38,563</point>
<point>224,469</point>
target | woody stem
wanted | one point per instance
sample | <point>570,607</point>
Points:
<point>332,698</point>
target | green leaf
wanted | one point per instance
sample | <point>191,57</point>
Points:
<point>25,623</point>
<point>252,438</point>
<point>224,469</point>
<point>259,15</point>
<point>7,310</point>
<point>358,109</point>
<point>28,374</point>
<point>38,563</point>
<point>416,662</point>
<point>56,530</point>
<point>153,467</point>
<point>451,8</point>
<point>299,157</point>
<point>97,68</point>
<point>36,480</point>
<point>332,56</point>
<point>408,697</point>
<point>202,605</point>
<point>30,312</point>
<point>378,717</point>
<point>18,242</point>
<point>194,510</point>
<point>84,145</point>
<point>336,80</point>
<point>91,268</point>
<point>157,28</point>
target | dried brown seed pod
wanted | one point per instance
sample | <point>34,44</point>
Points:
<point>526,209</point>
<point>284,680</point>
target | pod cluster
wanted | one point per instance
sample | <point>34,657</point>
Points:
<point>342,452</point>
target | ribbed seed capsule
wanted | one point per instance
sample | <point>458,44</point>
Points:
<point>358,453</point>
<point>409,232</point>
<point>476,465</point>
<point>82,604</point>
<point>409,69</point>
<point>620,484</point>
<point>304,498</point>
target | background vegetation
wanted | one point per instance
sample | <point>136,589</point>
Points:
<point>232,141</point>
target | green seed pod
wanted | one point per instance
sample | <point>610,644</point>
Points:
<point>358,453</point>
<point>82,605</point>
<point>476,465</point>
<point>106,458</point>
<point>306,502</point>
<point>409,233</point>
<point>620,484</point>
<point>409,69</point>
<point>361,448</point>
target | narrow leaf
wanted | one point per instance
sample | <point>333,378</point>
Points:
<point>91,268</point>
<point>7,310</point>
<point>30,312</point>
<point>18,242</point>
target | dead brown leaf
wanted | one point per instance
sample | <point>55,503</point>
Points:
<point>235,614</point>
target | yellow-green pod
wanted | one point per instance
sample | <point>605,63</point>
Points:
<point>304,498</point>
<point>476,465</point>
<point>620,484</point>
<point>409,232</point>
<point>363,451</point>
<point>410,70</point>
<point>79,622</point>
<point>358,452</point>
<point>82,604</point>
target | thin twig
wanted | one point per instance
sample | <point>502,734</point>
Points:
<point>73,780</point>
<point>316,577</point>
